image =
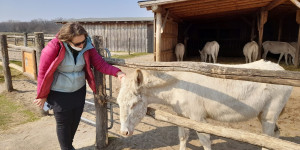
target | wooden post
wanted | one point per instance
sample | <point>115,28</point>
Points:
<point>154,38</point>
<point>25,39</point>
<point>298,46</point>
<point>15,40</point>
<point>129,46</point>
<point>5,62</point>
<point>100,99</point>
<point>158,25</point>
<point>279,29</point>
<point>106,42</point>
<point>262,19</point>
<point>252,29</point>
<point>39,45</point>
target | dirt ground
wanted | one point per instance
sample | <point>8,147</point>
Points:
<point>149,134</point>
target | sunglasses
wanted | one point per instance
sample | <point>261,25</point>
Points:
<point>78,44</point>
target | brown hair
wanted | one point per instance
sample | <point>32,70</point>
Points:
<point>69,30</point>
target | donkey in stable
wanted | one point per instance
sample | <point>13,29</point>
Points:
<point>197,96</point>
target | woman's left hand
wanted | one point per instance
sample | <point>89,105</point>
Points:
<point>120,75</point>
<point>40,102</point>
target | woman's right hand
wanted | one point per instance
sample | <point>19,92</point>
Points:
<point>40,102</point>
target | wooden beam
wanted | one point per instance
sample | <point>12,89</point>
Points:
<point>264,76</point>
<point>261,20</point>
<point>159,2</point>
<point>273,4</point>
<point>297,55</point>
<point>297,49</point>
<point>189,3</point>
<point>279,29</point>
<point>165,20</point>
<point>156,8</point>
<point>236,134</point>
<point>298,16</point>
<point>253,29</point>
<point>158,24</point>
<point>220,5</point>
<point>196,11</point>
<point>163,11</point>
<point>296,2</point>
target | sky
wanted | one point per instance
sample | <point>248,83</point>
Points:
<point>27,10</point>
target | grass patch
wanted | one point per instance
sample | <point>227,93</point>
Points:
<point>14,74</point>
<point>12,113</point>
<point>19,63</point>
<point>126,56</point>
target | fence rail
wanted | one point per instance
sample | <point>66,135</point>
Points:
<point>235,134</point>
<point>264,76</point>
<point>18,37</point>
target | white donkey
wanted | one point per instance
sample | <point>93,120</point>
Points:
<point>211,49</point>
<point>199,97</point>
<point>250,51</point>
<point>179,51</point>
<point>282,48</point>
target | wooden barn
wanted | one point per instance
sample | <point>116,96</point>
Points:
<point>121,34</point>
<point>232,23</point>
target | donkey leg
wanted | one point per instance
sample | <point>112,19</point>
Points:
<point>177,57</point>
<point>286,59</point>
<point>204,140</point>
<point>203,137</point>
<point>183,134</point>
<point>214,58</point>
<point>280,57</point>
<point>269,129</point>
<point>265,54</point>
<point>268,122</point>
<point>250,59</point>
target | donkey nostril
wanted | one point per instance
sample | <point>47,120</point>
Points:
<point>127,133</point>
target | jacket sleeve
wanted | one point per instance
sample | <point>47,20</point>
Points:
<point>101,65</point>
<point>48,55</point>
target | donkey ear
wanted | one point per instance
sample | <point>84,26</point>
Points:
<point>138,77</point>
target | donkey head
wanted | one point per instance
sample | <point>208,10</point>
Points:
<point>132,105</point>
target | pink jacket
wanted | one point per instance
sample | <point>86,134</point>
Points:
<point>53,54</point>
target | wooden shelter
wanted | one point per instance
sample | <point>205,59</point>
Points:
<point>232,23</point>
<point>121,34</point>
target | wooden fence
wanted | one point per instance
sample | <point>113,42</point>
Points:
<point>29,55</point>
<point>265,76</point>
<point>25,38</point>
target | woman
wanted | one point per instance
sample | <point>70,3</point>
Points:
<point>65,65</point>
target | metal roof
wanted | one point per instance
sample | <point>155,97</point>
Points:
<point>95,20</point>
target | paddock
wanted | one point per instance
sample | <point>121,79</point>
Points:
<point>294,77</point>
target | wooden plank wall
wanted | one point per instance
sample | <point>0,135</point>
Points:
<point>116,35</point>
<point>169,41</point>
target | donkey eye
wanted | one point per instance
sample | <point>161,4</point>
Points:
<point>134,104</point>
